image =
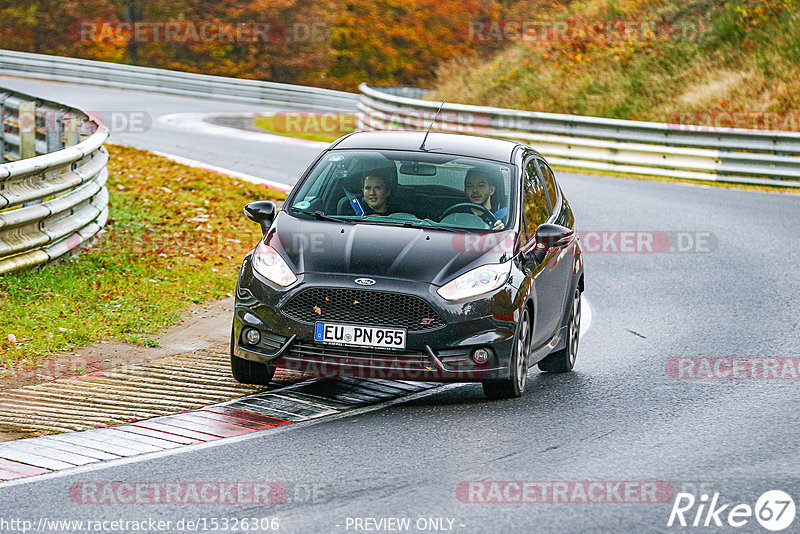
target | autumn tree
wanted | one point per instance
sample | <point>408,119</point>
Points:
<point>291,53</point>
<point>50,26</point>
<point>399,41</point>
<point>325,43</point>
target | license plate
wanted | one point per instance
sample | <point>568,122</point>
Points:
<point>361,336</point>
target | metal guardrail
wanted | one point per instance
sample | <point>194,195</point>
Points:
<point>53,194</point>
<point>657,149</point>
<point>173,82</point>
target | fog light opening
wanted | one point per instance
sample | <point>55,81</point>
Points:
<point>252,336</point>
<point>480,355</point>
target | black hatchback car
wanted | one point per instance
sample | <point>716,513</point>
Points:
<point>451,258</point>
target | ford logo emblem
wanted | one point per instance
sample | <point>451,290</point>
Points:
<point>365,281</point>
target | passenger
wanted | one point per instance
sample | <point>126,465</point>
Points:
<point>479,186</point>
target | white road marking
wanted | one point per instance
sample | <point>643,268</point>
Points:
<point>207,166</point>
<point>225,441</point>
<point>196,122</point>
<point>586,316</point>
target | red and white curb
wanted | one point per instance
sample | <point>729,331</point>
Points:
<point>297,403</point>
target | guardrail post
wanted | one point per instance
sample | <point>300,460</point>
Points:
<point>71,131</point>
<point>27,136</point>
<point>3,97</point>
<point>27,130</point>
<point>54,130</point>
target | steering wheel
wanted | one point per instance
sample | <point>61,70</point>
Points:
<point>465,206</point>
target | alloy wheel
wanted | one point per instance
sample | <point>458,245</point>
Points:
<point>522,346</point>
<point>575,328</point>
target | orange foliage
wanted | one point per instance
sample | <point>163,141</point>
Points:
<point>399,41</point>
<point>318,42</point>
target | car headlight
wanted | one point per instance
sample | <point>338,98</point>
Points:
<point>269,264</point>
<point>476,282</point>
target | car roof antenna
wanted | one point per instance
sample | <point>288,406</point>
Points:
<point>422,146</point>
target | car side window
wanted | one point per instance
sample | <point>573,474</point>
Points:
<point>550,183</point>
<point>535,201</point>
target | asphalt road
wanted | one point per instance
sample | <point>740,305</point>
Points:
<point>620,416</point>
<point>137,119</point>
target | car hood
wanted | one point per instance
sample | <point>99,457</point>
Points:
<point>415,254</point>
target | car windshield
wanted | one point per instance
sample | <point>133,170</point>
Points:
<point>408,188</point>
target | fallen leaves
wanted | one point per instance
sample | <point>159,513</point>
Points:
<point>150,264</point>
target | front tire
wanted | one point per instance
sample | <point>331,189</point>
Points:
<point>563,361</point>
<point>247,372</point>
<point>514,385</point>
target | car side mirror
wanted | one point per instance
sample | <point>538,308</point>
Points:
<point>549,236</point>
<point>262,212</point>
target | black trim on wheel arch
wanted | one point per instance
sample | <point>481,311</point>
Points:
<point>514,385</point>
<point>562,361</point>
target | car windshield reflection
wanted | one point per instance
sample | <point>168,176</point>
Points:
<point>410,189</point>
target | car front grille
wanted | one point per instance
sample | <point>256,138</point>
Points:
<point>364,307</point>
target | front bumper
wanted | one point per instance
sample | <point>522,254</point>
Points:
<point>440,354</point>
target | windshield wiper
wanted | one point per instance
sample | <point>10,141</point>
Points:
<point>319,214</point>
<point>411,224</point>
<point>386,221</point>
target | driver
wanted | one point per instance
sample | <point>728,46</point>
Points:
<point>376,194</point>
<point>377,190</point>
<point>479,186</point>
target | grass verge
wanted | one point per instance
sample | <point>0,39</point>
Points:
<point>720,64</point>
<point>324,127</point>
<point>176,237</point>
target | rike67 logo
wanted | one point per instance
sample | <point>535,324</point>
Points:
<point>774,510</point>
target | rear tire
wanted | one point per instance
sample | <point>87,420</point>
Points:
<point>248,372</point>
<point>514,385</point>
<point>563,361</point>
